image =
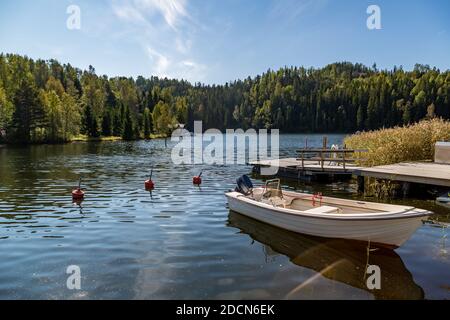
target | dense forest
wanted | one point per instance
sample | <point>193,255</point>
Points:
<point>45,101</point>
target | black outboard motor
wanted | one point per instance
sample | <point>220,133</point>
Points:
<point>244,185</point>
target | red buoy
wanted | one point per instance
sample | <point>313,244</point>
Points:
<point>78,194</point>
<point>149,184</point>
<point>197,180</point>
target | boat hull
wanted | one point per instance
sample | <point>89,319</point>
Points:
<point>389,232</point>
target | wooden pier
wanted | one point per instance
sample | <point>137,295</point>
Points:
<point>307,169</point>
<point>429,173</point>
<point>405,173</point>
<point>340,163</point>
<point>316,164</point>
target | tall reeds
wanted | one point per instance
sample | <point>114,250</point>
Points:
<point>410,143</point>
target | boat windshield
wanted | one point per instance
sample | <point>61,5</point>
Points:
<point>272,189</point>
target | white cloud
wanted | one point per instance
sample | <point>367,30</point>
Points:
<point>163,29</point>
<point>183,46</point>
<point>192,70</point>
<point>172,11</point>
<point>288,10</point>
<point>163,66</point>
<point>160,62</point>
<point>128,12</point>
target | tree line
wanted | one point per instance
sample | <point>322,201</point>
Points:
<point>45,101</point>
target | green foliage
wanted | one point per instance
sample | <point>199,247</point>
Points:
<point>117,123</point>
<point>147,123</point>
<point>107,124</point>
<point>128,126</point>
<point>28,111</point>
<point>90,122</point>
<point>6,109</point>
<point>55,115</point>
<point>44,101</point>
<point>164,118</point>
<point>71,116</point>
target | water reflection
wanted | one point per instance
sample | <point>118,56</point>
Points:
<point>173,242</point>
<point>336,259</point>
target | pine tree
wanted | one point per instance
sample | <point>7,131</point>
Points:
<point>128,128</point>
<point>360,118</point>
<point>147,123</point>
<point>27,110</point>
<point>90,122</point>
<point>6,110</point>
<point>117,124</point>
<point>107,124</point>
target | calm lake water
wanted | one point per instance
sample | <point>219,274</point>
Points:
<point>181,241</point>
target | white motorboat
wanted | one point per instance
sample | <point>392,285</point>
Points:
<point>378,223</point>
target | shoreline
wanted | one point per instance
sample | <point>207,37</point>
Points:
<point>84,138</point>
<point>81,138</point>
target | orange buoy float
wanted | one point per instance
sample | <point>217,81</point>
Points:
<point>149,184</point>
<point>78,194</point>
<point>197,180</point>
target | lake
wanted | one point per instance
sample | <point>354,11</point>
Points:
<point>181,241</point>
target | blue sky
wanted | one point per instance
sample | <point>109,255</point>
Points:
<point>214,41</point>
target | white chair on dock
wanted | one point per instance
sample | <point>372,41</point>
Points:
<point>334,155</point>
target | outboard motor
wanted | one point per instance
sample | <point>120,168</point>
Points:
<point>244,185</point>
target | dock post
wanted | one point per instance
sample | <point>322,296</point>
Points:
<point>324,142</point>
<point>361,184</point>
<point>406,186</point>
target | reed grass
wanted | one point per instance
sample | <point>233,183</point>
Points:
<point>85,138</point>
<point>410,143</point>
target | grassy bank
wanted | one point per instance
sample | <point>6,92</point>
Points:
<point>85,138</point>
<point>409,143</point>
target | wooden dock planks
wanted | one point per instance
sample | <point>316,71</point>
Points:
<point>416,172</point>
<point>429,173</point>
<point>292,168</point>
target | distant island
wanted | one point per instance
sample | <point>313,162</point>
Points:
<point>48,102</point>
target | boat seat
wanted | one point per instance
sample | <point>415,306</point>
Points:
<point>324,209</point>
<point>275,201</point>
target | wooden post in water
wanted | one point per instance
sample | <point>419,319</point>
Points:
<point>406,187</point>
<point>325,146</point>
<point>343,159</point>
<point>361,184</point>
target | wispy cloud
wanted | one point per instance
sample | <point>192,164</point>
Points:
<point>160,61</point>
<point>163,29</point>
<point>128,12</point>
<point>164,66</point>
<point>172,10</point>
<point>289,10</point>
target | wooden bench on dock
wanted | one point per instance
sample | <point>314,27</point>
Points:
<point>338,157</point>
<point>314,163</point>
